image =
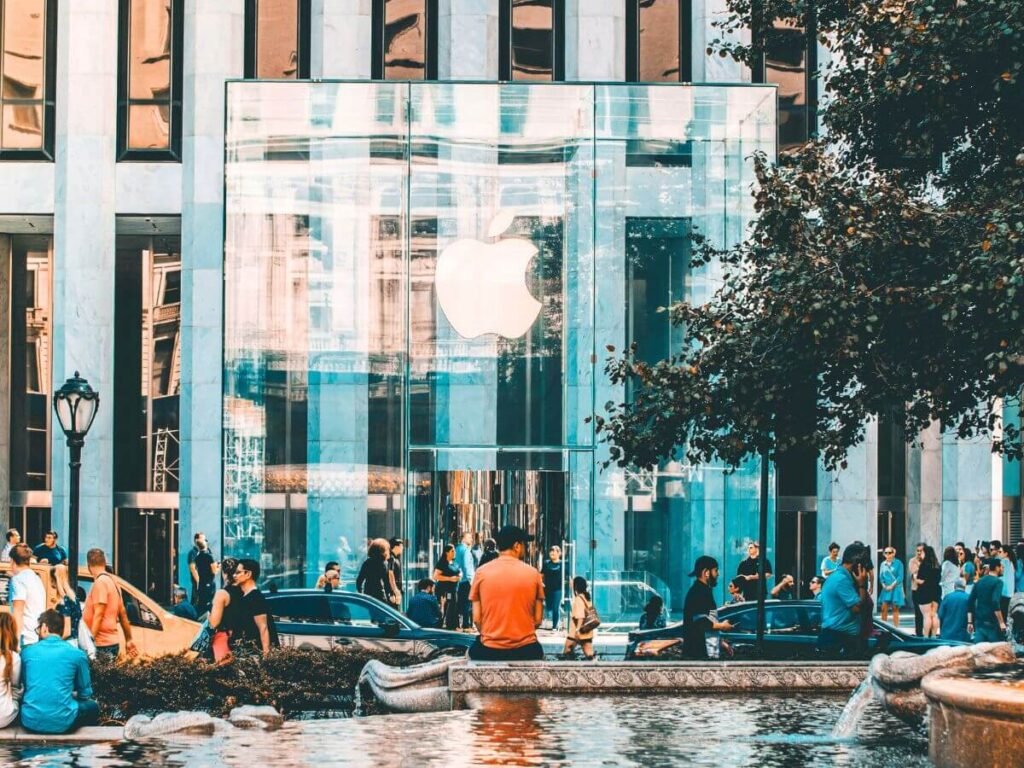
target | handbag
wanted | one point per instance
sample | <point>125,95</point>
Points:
<point>591,620</point>
<point>85,641</point>
<point>203,641</point>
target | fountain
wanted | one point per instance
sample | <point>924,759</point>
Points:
<point>972,697</point>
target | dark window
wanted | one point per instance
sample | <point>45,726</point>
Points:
<point>783,620</point>
<point>306,609</point>
<point>744,622</point>
<point>532,35</point>
<point>277,39</point>
<point>147,356</point>
<point>28,63</point>
<point>357,613</point>
<point>790,61</point>
<point>659,35</point>
<point>30,354</point>
<point>404,40</point>
<point>139,614</point>
<point>892,455</point>
<point>150,80</point>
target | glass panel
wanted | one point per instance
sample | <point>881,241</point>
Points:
<point>277,39</point>
<point>24,48</point>
<point>31,355</point>
<point>22,126</point>
<point>405,39</point>
<point>147,355</point>
<point>786,65</point>
<point>658,45</point>
<point>149,126</point>
<point>149,52</point>
<point>526,240</point>
<point>533,39</point>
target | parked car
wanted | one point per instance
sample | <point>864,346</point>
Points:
<point>620,602</point>
<point>309,618</point>
<point>791,632</point>
<point>156,631</point>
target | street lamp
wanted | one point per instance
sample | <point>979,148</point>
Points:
<point>76,404</point>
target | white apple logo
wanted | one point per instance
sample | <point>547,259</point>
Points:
<point>481,287</point>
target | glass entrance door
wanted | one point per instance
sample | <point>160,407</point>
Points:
<point>145,547</point>
<point>795,541</point>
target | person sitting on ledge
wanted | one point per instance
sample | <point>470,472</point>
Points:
<point>508,603</point>
<point>58,689</point>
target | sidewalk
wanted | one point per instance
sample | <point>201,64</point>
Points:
<point>93,735</point>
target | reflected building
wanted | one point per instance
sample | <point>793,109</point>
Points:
<point>347,270</point>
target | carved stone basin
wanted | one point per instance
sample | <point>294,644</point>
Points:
<point>974,720</point>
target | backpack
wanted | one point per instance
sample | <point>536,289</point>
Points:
<point>591,620</point>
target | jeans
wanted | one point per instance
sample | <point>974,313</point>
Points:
<point>554,604</point>
<point>988,634</point>
<point>109,651</point>
<point>839,643</point>
<point>532,652</point>
<point>88,713</point>
<point>465,607</point>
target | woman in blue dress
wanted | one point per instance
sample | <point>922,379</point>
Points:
<point>890,581</point>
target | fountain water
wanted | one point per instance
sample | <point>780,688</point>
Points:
<point>849,718</point>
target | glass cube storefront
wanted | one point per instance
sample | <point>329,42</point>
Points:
<point>421,281</point>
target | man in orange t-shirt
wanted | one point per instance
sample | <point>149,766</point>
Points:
<point>508,603</point>
<point>104,610</point>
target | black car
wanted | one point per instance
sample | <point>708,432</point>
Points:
<point>791,632</point>
<point>308,618</point>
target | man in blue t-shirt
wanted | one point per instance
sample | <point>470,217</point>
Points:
<point>953,614</point>
<point>423,606</point>
<point>467,565</point>
<point>985,617</point>
<point>48,552</point>
<point>841,601</point>
<point>58,689</point>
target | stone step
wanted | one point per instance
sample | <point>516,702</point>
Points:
<point>91,735</point>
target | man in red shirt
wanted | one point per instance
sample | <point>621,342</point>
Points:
<point>508,603</point>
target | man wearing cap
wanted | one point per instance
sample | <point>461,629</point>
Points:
<point>508,603</point>
<point>700,612</point>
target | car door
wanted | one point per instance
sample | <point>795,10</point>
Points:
<point>364,623</point>
<point>785,633</point>
<point>302,621</point>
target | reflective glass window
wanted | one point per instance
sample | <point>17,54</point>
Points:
<point>277,39</point>
<point>405,40</point>
<point>27,65</point>
<point>150,79</point>
<point>31,353</point>
<point>789,63</point>
<point>147,356</point>
<point>532,34</point>
<point>658,40</point>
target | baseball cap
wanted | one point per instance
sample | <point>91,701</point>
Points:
<point>509,535</point>
<point>704,563</point>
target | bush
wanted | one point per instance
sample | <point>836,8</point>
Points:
<point>291,680</point>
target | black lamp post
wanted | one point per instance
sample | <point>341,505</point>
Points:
<point>76,404</point>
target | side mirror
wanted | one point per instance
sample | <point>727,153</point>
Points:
<point>391,628</point>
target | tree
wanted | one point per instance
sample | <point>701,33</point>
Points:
<point>885,267</point>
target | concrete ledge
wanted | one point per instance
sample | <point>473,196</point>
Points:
<point>647,677</point>
<point>94,735</point>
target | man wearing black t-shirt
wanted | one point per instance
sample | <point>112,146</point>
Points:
<point>700,612</point>
<point>748,572</point>
<point>255,628</point>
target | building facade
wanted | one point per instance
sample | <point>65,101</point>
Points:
<point>248,274</point>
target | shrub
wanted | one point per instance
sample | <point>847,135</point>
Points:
<point>292,680</point>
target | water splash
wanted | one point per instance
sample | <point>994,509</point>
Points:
<point>849,719</point>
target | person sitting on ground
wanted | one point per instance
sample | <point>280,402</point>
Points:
<point>508,603</point>
<point>49,552</point>
<point>736,591</point>
<point>58,688</point>
<point>423,606</point>
<point>653,616</point>
<point>10,671</point>
<point>181,606</point>
<point>576,635</point>
<point>842,599</point>
<point>26,593</point>
<point>953,614</point>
